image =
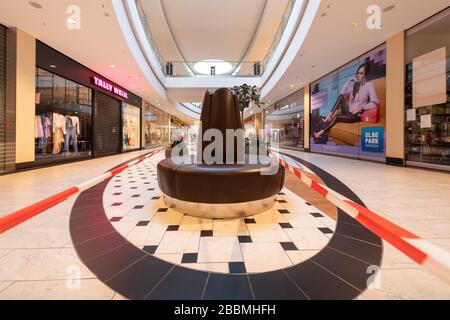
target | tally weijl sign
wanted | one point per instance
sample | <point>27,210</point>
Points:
<point>109,87</point>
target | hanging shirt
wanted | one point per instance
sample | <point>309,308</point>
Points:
<point>59,122</point>
<point>39,132</point>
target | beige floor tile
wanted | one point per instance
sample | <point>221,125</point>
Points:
<point>89,289</point>
<point>230,227</point>
<point>308,239</point>
<point>34,238</point>
<point>4,285</point>
<point>209,267</point>
<point>267,233</point>
<point>167,218</point>
<point>195,224</point>
<point>179,242</point>
<point>174,258</point>
<point>302,220</point>
<point>150,235</point>
<point>41,264</point>
<point>298,257</point>
<point>219,249</point>
<point>263,257</point>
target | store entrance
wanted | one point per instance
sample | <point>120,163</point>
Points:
<point>107,125</point>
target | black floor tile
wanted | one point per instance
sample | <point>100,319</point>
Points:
<point>90,232</point>
<point>228,287</point>
<point>116,219</point>
<point>189,258</point>
<point>150,249</point>
<point>245,239</point>
<point>180,284</point>
<point>141,278</point>
<point>142,223</point>
<point>94,248</point>
<point>351,270</point>
<point>283,211</point>
<point>139,207</point>
<point>237,267</point>
<point>115,261</point>
<point>288,246</point>
<point>163,210</point>
<point>316,215</point>
<point>358,249</point>
<point>173,228</point>
<point>326,230</point>
<point>286,225</point>
<point>206,233</point>
<point>357,232</point>
<point>275,286</point>
<point>282,201</point>
<point>319,284</point>
<point>156,198</point>
<point>250,221</point>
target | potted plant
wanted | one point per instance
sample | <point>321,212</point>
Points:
<point>246,94</point>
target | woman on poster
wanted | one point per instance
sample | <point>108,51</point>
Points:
<point>362,97</point>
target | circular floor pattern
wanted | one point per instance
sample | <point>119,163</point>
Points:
<point>143,250</point>
<point>290,233</point>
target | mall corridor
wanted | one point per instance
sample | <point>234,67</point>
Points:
<point>216,151</point>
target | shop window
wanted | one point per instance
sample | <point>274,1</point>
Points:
<point>63,121</point>
<point>427,95</point>
<point>348,109</point>
<point>131,127</point>
<point>284,123</point>
<point>156,127</point>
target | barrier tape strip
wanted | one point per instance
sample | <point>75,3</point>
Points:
<point>13,219</point>
<point>427,255</point>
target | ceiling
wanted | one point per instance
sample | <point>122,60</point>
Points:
<point>331,42</point>
<point>98,44</point>
<point>229,30</point>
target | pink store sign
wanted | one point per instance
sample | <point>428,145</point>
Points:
<point>109,87</point>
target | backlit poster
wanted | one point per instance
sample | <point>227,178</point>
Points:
<point>348,109</point>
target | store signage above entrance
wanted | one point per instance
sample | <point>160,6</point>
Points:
<point>109,87</point>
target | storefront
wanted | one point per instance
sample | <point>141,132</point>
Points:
<point>80,114</point>
<point>348,109</point>
<point>178,130</point>
<point>284,122</point>
<point>155,126</point>
<point>427,105</point>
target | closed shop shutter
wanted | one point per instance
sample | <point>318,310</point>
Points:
<point>2,97</point>
<point>107,125</point>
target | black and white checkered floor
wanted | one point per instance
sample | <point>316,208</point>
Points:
<point>291,233</point>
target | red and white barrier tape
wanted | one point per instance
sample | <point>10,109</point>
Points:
<point>427,255</point>
<point>13,219</point>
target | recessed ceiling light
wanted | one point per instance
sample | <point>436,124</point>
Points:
<point>389,8</point>
<point>112,65</point>
<point>52,66</point>
<point>355,24</point>
<point>292,85</point>
<point>35,5</point>
<point>323,15</point>
<point>134,86</point>
<point>313,66</point>
<point>106,14</point>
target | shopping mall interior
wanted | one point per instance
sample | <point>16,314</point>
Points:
<point>267,150</point>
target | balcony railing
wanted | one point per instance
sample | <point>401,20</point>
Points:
<point>239,69</point>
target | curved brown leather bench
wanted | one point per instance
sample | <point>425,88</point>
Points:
<point>212,190</point>
<point>218,184</point>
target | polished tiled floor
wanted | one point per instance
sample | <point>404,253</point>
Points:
<point>288,234</point>
<point>38,259</point>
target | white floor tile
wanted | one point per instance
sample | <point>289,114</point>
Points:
<point>179,242</point>
<point>219,249</point>
<point>263,257</point>
<point>267,233</point>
